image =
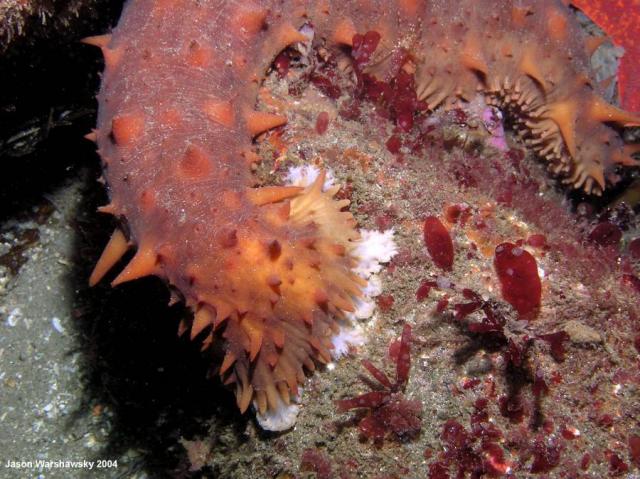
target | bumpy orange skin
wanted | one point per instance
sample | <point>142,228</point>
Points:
<point>263,269</point>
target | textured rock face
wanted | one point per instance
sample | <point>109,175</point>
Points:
<point>32,20</point>
<point>47,99</point>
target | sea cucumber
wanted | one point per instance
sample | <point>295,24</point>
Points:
<point>268,271</point>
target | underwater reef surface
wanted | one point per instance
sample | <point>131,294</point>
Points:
<point>468,370</point>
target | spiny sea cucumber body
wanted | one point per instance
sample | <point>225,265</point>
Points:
<point>267,270</point>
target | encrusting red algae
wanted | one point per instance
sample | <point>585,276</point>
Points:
<point>269,270</point>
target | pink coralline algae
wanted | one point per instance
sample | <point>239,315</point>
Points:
<point>491,117</point>
<point>439,244</point>
<point>518,274</point>
<point>389,412</point>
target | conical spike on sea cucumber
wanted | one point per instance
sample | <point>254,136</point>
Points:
<point>530,68</point>
<point>260,121</point>
<point>109,209</point>
<point>255,330</point>
<point>244,399</point>
<point>201,319</point>
<point>115,249</point>
<point>344,32</point>
<point>142,264</point>
<point>564,115</point>
<point>288,35</point>
<point>227,362</point>
<point>604,112</point>
<point>100,41</point>
<point>272,194</point>
<point>91,136</point>
<point>473,58</point>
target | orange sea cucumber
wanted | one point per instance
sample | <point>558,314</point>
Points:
<point>268,270</point>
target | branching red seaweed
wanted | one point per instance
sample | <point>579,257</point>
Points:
<point>389,413</point>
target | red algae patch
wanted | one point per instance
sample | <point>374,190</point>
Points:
<point>389,413</point>
<point>634,449</point>
<point>518,274</point>
<point>546,455</point>
<point>322,123</point>
<point>313,460</point>
<point>475,452</point>
<point>606,234</point>
<point>364,46</point>
<point>634,248</point>
<point>439,244</point>
<point>556,344</point>
<point>537,241</point>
